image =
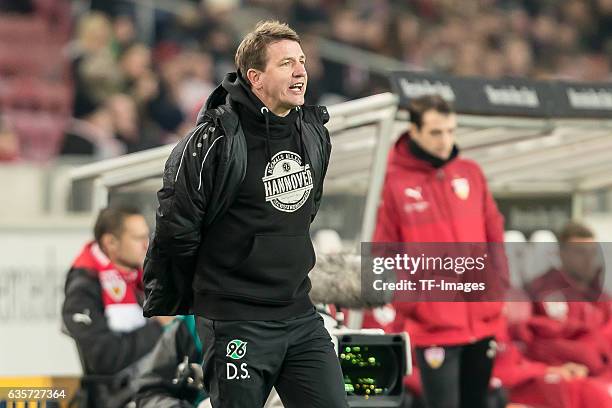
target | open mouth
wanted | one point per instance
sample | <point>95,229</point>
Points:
<point>298,86</point>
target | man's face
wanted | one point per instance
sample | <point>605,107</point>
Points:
<point>282,84</point>
<point>437,133</point>
<point>128,250</point>
<point>580,259</point>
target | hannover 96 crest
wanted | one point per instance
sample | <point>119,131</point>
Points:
<point>286,182</point>
<point>236,349</point>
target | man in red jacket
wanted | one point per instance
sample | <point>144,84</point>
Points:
<point>433,195</point>
<point>571,311</point>
<point>541,385</point>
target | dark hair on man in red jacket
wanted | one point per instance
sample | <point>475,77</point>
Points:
<point>419,106</point>
<point>579,255</point>
<point>573,230</point>
<point>111,220</point>
<point>433,125</point>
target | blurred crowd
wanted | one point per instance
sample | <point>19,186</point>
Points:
<point>493,38</point>
<point>134,88</point>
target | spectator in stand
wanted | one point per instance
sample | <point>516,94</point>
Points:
<point>124,33</point>
<point>9,143</point>
<point>158,110</point>
<point>196,82</point>
<point>92,134</point>
<point>99,76</point>
<point>219,42</point>
<point>126,123</point>
<point>93,42</point>
<point>135,61</point>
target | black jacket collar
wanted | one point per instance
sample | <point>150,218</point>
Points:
<point>421,154</point>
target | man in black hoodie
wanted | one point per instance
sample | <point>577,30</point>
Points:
<point>232,239</point>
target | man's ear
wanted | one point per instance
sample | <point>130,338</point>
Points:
<point>108,242</point>
<point>254,77</point>
<point>414,129</point>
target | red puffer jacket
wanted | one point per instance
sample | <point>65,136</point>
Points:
<point>569,327</point>
<point>421,203</point>
<point>530,382</point>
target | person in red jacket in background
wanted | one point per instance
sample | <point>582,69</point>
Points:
<point>431,194</point>
<point>572,319</point>
<point>537,384</point>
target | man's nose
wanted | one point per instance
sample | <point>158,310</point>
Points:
<point>299,71</point>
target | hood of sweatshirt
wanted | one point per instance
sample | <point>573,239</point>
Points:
<point>256,119</point>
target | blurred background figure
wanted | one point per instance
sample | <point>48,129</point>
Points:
<point>9,143</point>
<point>580,273</point>
<point>102,310</point>
<point>432,194</point>
<point>539,362</point>
<point>93,134</point>
<point>571,311</point>
<point>94,68</point>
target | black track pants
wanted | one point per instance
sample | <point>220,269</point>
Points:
<point>457,376</point>
<point>243,360</point>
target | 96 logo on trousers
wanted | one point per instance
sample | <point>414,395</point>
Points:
<point>236,350</point>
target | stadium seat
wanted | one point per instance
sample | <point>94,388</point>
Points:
<point>55,13</point>
<point>29,93</point>
<point>543,253</point>
<point>514,236</point>
<point>23,29</point>
<point>41,60</point>
<point>516,250</point>
<point>26,93</point>
<point>39,134</point>
<point>543,236</point>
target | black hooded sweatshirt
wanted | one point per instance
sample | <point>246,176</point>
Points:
<point>256,257</point>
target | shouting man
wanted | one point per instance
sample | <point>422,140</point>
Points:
<point>232,240</point>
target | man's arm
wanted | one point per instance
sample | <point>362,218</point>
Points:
<point>187,182</point>
<point>494,220</point>
<point>388,230</point>
<point>388,218</point>
<point>494,230</point>
<point>104,351</point>
<point>156,387</point>
<point>319,192</point>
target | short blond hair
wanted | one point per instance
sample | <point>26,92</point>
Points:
<point>252,51</point>
<point>94,31</point>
